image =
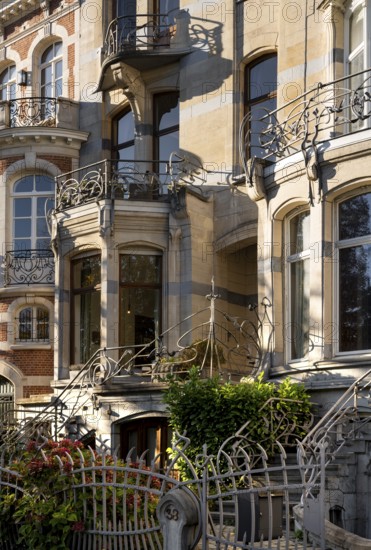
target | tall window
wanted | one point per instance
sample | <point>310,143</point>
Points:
<point>167,9</point>
<point>356,22</point>
<point>33,198</point>
<point>166,129</point>
<point>86,297</point>
<point>298,285</point>
<point>354,274</point>
<point>140,298</point>
<point>51,67</point>
<point>123,136</point>
<point>261,98</point>
<point>33,324</point>
<point>8,86</point>
<point>126,11</point>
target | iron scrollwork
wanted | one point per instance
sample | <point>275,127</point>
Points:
<point>26,267</point>
<point>33,111</point>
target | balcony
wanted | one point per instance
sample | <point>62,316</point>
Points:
<point>146,39</point>
<point>333,110</point>
<point>39,112</point>
<point>120,180</point>
<point>28,267</point>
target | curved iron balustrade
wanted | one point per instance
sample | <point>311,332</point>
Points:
<point>127,33</point>
<point>26,267</point>
<point>330,110</point>
<point>33,111</point>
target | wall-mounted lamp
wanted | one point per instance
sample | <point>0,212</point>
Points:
<point>109,410</point>
<point>22,78</point>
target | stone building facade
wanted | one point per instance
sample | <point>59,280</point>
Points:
<point>186,143</point>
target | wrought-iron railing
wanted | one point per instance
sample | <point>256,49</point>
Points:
<point>126,180</point>
<point>32,111</point>
<point>28,267</point>
<point>327,111</point>
<point>140,32</point>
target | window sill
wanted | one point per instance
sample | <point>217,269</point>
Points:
<point>31,345</point>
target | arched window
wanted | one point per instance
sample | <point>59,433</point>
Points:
<point>8,84</point>
<point>260,99</point>
<point>33,198</point>
<point>354,273</point>
<point>298,258</point>
<point>51,71</point>
<point>123,136</point>
<point>33,324</point>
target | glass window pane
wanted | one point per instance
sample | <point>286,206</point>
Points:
<point>356,28</point>
<point>125,128</point>
<point>262,78</point>
<point>22,228</point>
<point>41,228</point>
<point>57,49</point>
<point>25,185</point>
<point>259,123</point>
<point>44,183</point>
<point>299,233</point>
<point>87,272</point>
<point>47,55</point>
<point>355,217</point>
<point>166,110</point>
<point>355,298</point>
<point>140,268</point>
<point>22,208</point>
<point>22,244</point>
<point>299,327</point>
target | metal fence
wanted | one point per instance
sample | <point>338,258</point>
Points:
<point>242,498</point>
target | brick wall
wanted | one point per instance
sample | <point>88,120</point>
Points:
<point>35,362</point>
<point>35,390</point>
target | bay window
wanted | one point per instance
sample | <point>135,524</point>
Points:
<point>298,286</point>
<point>354,273</point>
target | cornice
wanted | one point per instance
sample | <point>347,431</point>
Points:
<point>19,137</point>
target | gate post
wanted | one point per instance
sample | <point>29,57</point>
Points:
<point>178,513</point>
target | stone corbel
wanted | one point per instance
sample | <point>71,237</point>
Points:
<point>130,81</point>
<point>255,179</point>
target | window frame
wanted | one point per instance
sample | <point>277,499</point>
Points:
<point>342,244</point>
<point>159,133</point>
<point>80,291</point>
<point>121,146</point>
<point>249,102</point>
<point>33,195</point>
<point>10,84</point>
<point>55,83</point>
<point>34,324</point>
<point>140,285</point>
<point>290,260</point>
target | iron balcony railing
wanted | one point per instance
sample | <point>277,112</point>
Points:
<point>32,111</point>
<point>325,112</point>
<point>139,33</point>
<point>28,267</point>
<point>126,180</point>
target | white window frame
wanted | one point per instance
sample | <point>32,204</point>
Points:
<point>52,63</point>
<point>33,195</point>
<point>291,259</point>
<point>9,86</point>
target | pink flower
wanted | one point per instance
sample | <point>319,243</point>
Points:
<point>79,526</point>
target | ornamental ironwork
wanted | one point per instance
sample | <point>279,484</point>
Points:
<point>28,267</point>
<point>33,111</point>
<point>125,180</point>
<point>139,32</point>
<point>325,112</point>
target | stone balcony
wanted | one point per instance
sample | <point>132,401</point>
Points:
<point>39,112</point>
